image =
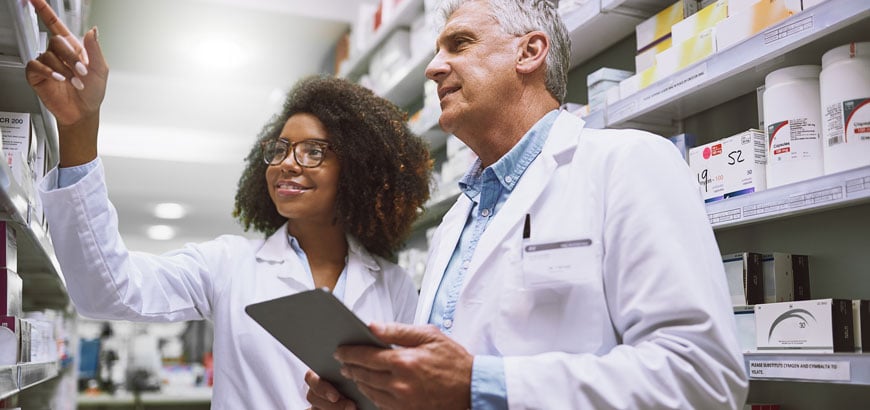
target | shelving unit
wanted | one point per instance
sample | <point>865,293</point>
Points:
<point>358,64</point>
<point>410,86</point>
<point>18,96</point>
<point>597,25</point>
<point>730,73</point>
<point>432,132</point>
<point>43,285</point>
<point>14,379</point>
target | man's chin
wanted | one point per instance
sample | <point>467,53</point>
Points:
<point>447,123</point>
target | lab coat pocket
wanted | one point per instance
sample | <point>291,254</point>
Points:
<point>555,264</point>
<point>553,302</point>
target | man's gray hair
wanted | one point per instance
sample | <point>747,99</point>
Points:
<point>520,17</point>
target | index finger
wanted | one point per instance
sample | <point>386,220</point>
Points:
<point>51,20</point>
<point>372,358</point>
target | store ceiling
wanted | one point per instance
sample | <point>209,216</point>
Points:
<point>191,84</point>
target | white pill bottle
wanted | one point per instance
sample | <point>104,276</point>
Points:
<point>793,124</point>
<point>845,93</point>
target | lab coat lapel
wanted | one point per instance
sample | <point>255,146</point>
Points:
<point>362,269</point>
<point>280,259</point>
<point>444,242</point>
<point>557,151</point>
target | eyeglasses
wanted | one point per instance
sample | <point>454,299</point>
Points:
<point>307,153</point>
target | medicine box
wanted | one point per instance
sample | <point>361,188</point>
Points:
<point>684,54</point>
<point>10,292</point>
<point>745,23</point>
<point>731,166</point>
<point>9,247</point>
<point>778,283</point>
<point>744,316</point>
<point>10,340</point>
<point>647,58</point>
<point>683,142</point>
<point>17,135</point>
<point>659,26</point>
<point>704,19</point>
<point>744,275</point>
<point>600,80</point>
<point>861,323</point>
<point>818,326</point>
<point>14,340</point>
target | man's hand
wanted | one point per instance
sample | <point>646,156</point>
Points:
<point>427,371</point>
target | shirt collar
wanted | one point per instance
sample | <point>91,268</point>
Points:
<point>275,249</point>
<point>510,167</point>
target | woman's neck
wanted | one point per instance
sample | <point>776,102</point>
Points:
<point>326,248</point>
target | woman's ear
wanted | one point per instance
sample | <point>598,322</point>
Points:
<point>533,50</point>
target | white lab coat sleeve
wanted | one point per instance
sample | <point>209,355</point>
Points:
<point>666,296</point>
<point>404,294</point>
<point>107,281</point>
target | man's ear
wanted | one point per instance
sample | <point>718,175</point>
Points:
<point>532,52</point>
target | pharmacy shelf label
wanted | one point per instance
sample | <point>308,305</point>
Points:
<point>857,185</point>
<point>788,30</point>
<point>800,369</point>
<point>679,84</point>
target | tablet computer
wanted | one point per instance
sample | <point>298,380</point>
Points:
<point>312,324</point>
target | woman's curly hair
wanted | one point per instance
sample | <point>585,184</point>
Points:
<point>385,168</point>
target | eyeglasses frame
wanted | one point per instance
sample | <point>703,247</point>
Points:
<point>291,147</point>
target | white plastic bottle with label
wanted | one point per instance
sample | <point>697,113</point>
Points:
<point>793,124</point>
<point>845,94</point>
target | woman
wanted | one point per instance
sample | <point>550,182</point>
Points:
<point>334,182</point>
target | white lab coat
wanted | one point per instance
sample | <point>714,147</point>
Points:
<point>213,280</point>
<point>641,320</point>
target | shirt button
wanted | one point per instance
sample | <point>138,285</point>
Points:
<point>508,179</point>
<point>485,212</point>
<point>447,323</point>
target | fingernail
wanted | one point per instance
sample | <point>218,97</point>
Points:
<point>78,84</point>
<point>57,76</point>
<point>97,34</point>
<point>81,69</point>
<point>332,397</point>
<point>345,372</point>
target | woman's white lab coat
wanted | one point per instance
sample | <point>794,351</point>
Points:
<point>631,311</point>
<point>213,280</point>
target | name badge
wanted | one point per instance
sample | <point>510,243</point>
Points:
<point>547,263</point>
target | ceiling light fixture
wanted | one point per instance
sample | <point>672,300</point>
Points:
<point>170,210</point>
<point>161,232</point>
<point>218,54</point>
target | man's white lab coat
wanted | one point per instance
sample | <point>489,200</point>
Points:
<point>629,310</point>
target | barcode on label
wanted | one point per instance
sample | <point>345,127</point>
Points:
<point>835,140</point>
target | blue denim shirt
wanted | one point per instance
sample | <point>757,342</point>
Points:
<point>488,190</point>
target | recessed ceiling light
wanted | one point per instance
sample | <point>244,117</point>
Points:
<point>170,210</point>
<point>218,54</point>
<point>161,232</point>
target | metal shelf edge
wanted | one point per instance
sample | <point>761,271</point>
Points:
<point>835,190</point>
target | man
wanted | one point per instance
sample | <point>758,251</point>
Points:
<point>577,271</point>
